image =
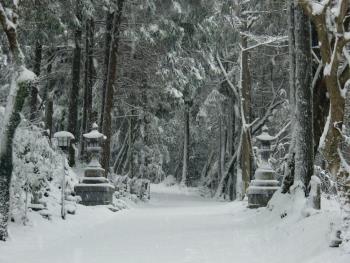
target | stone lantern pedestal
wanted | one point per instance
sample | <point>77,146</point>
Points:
<point>264,184</point>
<point>94,188</point>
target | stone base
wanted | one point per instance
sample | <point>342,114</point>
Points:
<point>95,194</point>
<point>262,188</point>
<point>94,180</point>
<point>259,196</point>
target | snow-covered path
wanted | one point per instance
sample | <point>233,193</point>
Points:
<point>173,227</point>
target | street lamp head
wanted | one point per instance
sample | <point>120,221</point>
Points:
<point>64,139</point>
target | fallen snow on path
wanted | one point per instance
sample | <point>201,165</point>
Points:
<point>175,226</point>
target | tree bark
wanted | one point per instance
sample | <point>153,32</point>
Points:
<point>299,167</point>
<point>246,80</point>
<point>112,68</point>
<point>246,157</point>
<point>88,82</point>
<point>246,150</point>
<point>108,40</point>
<point>6,165</point>
<point>16,98</point>
<point>331,49</point>
<point>184,179</point>
<point>291,50</point>
<point>74,91</point>
<point>49,101</point>
<point>34,88</point>
<point>220,165</point>
<point>304,152</point>
<point>131,149</point>
<point>288,177</point>
<point>120,154</point>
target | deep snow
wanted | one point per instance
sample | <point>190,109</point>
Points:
<point>175,226</point>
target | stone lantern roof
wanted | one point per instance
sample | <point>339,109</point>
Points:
<point>265,136</point>
<point>64,139</point>
<point>94,133</point>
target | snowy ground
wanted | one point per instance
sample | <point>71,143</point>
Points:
<point>175,227</point>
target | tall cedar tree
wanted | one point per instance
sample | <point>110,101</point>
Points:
<point>74,91</point>
<point>111,77</point>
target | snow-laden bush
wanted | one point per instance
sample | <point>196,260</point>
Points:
<point>170,180</point>
<point>37,174</point>
<point>131,187</point>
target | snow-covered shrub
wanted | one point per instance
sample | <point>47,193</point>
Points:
<point>170,180</point>
<point>131,187</point>
<point>150,150</point>
<point>121,184</point>
<point>37,173</point>
<point>140,188</point>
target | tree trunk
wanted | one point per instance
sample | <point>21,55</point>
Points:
<point>230,125</point>
<point>6,165</point>
<point>207,166</point>
<point>120,154</point>
<point>320,110</point>
<point>74,91</point>
<point>131,149</point>
<point>291,50</point>
<point>220,166</point>
<point>246,157</point>
<point>288,177</point>
<point>21,80</point>
<point>48,101</point>
<point>246,80</point>
<point>108,40</point>
<point>304,154</point>
<point>34,88</point>
<point>246,150</point>
<point>299,168</point>
<point>331,49</point>
<point>112,68</point>
<point>88,82</point>
<point>184,179</point>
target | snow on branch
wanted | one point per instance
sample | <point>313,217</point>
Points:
<point>282,130</point>
<point>237,92</point>
<point>275,102</point>
<point>319,7</point>
<point>266,42</point>
<point>234,89</point>
<point>314,8</point>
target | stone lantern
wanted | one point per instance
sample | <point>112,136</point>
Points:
<point>264,184</point>
<point>94,189</point>
<point>64,139</point>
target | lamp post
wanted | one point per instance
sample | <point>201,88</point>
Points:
<point>64,139</point>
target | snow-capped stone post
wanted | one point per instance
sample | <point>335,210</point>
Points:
<point>264,184</point>
<point>315,193</point>
<point>94,189</point>
<point>64,139</point>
